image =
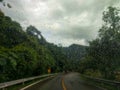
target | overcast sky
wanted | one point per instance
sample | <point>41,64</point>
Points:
<point>61,21</point>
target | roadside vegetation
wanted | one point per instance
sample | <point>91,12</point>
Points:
<point>103,54</point>
<point>26,53</point>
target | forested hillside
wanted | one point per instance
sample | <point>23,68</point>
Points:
<point>75,52</point>
<point>27,53</point>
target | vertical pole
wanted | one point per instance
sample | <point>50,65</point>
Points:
<point>23,82</point>
<point>118,87</point>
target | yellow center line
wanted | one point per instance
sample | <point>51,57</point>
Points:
<point>63,84</point>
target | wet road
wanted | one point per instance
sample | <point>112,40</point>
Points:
<point>70,81</point>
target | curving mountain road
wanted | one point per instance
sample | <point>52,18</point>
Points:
<point>70,81</point>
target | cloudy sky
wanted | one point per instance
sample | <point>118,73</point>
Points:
<point>61,21</point>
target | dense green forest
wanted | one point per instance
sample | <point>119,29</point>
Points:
<point>27,53</point>
<point>103,54</point>
<point>74,53</point>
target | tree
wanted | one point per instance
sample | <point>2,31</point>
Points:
<point>11,32</point>
<point>105,50</point>
<point>32,31</point>
<point>109,40</point>
<point>26,54</point>
<point>111,27</point>
<point>1,0</point>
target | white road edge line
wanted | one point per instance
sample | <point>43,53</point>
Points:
<point>36,82</point>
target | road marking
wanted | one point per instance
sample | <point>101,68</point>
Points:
<point>63,84</point>
<point>28,86</point>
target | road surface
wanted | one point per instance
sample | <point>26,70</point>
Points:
<point>70,81</point>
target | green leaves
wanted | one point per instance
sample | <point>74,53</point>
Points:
<point>105,50</point>
<point>111,25</point>
<point>1,0</point>
<point>25,54</point>
<point>11,32</point>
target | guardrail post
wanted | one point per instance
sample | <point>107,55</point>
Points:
<point>33,80</point>
<point>118,87</point>
<point>23,82</point>
<point>101,84</point>
<point>4,88</point>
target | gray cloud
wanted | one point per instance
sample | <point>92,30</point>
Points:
<point>79,33</point>
<point>61,21</point>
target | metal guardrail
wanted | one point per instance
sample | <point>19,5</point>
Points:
<point>104,81</point>
<point>11,83</point>
<point>32,85</point>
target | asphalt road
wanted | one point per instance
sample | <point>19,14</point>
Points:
<point>70,81</point>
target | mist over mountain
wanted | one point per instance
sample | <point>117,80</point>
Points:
<point>75,52</point>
